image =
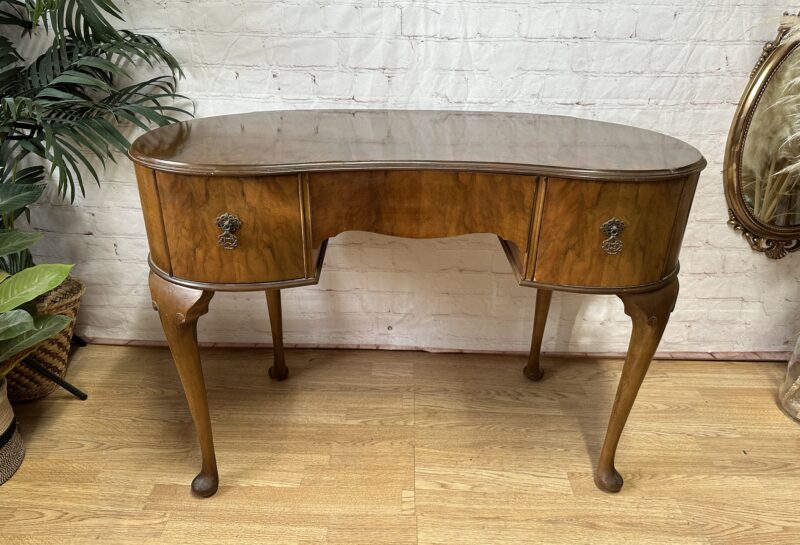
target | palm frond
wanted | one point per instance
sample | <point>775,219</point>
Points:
<point>64,106</point>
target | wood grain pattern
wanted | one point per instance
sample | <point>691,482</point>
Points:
<point>270,240</point>
<point>153,221</point>
<point>526,264</point>
<point>417,175</point>
<point>179,309</point>
<point>679,225</point>
<point>404,448</point>
<point>649,313</point>
<point>278,371</point>
<point>421,204</point>
<point>533,369</point>
<point>569,247</point>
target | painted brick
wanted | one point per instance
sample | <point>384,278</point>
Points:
<point>673,66</point>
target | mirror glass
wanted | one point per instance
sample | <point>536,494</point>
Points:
<point>770,171</point>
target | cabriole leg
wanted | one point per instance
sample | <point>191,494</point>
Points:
<point>278,371</point>
<point>179,308</point>
<point>649,313</point>
<point>533,371</point>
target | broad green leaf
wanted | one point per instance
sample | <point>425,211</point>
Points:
<point>15,241</point>
<point>3,275</point>
<point>44,327</point>
<point>31,283</point>
<point>16,196</point>
<point>14,322</point>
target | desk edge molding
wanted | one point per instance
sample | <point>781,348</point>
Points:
<point>243,286</point>
<point>297,282</point>
<point>493,168</point>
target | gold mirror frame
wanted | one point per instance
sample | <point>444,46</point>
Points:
<point>774,241</point>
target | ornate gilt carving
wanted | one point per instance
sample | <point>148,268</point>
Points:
<point>773,249</point>
<point>773,241</point>
<point>770,46</point>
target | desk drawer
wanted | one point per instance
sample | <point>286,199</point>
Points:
<point>610,234</point>
<point>260,239</point>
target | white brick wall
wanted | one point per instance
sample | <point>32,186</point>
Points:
<point>673,66</point>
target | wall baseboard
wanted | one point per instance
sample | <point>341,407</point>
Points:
<point>694,356</point>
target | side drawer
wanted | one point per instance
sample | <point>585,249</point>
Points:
<point>571,249</point>
<point>266,246</point>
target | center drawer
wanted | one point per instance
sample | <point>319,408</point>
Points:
<point>233,230</point>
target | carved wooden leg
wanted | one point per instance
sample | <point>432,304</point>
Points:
<point>532,370</point>
<point>179,309</point>
<point>649,313</point>
<point>278,371</point>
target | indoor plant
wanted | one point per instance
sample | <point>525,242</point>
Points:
<point>20,330</point>
<point>63,105</point>
<point>61,108</point>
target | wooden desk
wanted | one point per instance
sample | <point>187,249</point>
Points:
<point>248,202</point>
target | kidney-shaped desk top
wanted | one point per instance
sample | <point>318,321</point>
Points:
<point>249,201</point>
<point>323,140</point>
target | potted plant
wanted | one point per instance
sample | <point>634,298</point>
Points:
<point>62,108</point>
<point>21,330</point>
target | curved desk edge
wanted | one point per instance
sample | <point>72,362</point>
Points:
<point>298,282</point>
<point>489,168</point>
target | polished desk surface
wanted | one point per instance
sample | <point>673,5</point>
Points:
<point>248,202</point>
<point>312,140</point>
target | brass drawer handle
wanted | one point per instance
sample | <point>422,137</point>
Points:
<point>229,225</point>
<point>613,228</point>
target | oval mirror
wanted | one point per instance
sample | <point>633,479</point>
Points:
<point>762,159</point>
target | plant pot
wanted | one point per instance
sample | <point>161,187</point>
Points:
<point>27,385</point>
<point>12,451</point>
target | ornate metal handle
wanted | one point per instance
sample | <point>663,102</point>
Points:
<point>612,229</point>
<point>229,225</point>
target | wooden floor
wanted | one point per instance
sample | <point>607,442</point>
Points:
<point>363,447</point>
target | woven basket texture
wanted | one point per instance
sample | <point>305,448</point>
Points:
<point>12,451</point>
<point>26,385</point>
<point>11,455</point>
<point>6,412</point>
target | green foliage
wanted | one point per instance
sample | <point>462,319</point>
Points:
<point>43,328</point>
<point>18,196</point>
<point>20,331</point>
<point>63,107</point>
<point>31,283</point>
<point>12,241</point>
<point>68,100</point>
<point>14,323</point>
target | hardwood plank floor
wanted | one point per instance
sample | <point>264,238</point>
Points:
<point>364,447</point>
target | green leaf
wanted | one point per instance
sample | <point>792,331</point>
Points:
<point>16,196</point>
<point>29,175</point>
<point>101,64</point>
<point>44,327</point>
<point>14,263</point>
<point>70,97</point>
<point>15,241</point>
<point>31,283</point>
<point>81,79</point>
<point>13,323</point>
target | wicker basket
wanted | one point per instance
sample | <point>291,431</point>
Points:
<point>12,451</point>
<point>27,385</point>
